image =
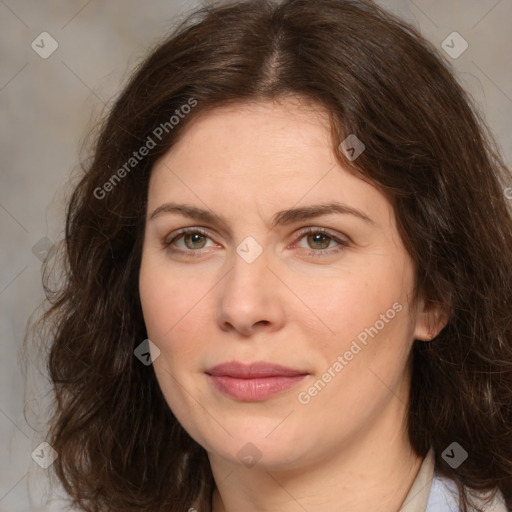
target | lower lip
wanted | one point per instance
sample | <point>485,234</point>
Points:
<point>253,389</point>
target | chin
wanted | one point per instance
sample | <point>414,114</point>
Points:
<point>257,447</point>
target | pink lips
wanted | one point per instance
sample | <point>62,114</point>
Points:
<point>253,382</point>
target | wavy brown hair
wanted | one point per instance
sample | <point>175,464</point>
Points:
<point>427,148</point>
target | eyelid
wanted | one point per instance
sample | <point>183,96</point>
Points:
<point>175,235</point>
<point>168,239</point>
<point>342,240</point>
<point>317,229</point>
<point>301,232</point>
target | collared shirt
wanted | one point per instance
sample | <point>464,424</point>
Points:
<point>432,492</point>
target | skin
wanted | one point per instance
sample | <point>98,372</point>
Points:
<point>347,448</point>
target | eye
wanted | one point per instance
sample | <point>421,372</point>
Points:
<point>195,239</point>
<point>319,239</point>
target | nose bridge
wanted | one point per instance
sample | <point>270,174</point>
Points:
<point>249,293</point>
<point>249,274</point>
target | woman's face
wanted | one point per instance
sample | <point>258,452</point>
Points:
<point>255,287</point>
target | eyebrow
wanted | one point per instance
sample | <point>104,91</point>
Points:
<point>281,218</point>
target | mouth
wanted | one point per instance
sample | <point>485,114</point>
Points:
<point>253,382</point>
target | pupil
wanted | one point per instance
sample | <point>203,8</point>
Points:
<point>317,238</point>
<point>194,238</point>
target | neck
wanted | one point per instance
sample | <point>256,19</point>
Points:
<point>374,470</point>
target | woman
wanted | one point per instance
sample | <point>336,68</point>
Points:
<point>288,278</point>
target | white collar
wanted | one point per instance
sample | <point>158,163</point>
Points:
<point>432,492</point>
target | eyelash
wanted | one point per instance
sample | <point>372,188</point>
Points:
<point>343,244</point>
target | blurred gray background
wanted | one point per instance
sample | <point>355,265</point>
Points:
<point>49,101</point>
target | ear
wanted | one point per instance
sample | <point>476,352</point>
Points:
<point>431,319</point>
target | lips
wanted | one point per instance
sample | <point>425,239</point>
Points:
<point>254,370</point>
<point>253,382</point>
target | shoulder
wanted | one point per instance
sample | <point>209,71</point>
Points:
<point>443,497</point>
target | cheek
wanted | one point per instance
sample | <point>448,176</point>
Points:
<point>155,304</point>
<point>168,310</point>
<point>368,318</point>
<point>175,310</point>
<point>166,298</point>
<point>346,304</point>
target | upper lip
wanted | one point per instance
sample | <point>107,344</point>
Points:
<point>257,369</point>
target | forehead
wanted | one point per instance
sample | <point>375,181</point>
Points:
<point>279,125</point>
<point>259,155</point>
<point>253,139</point>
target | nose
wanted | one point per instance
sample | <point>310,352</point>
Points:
<point>250,298</point>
